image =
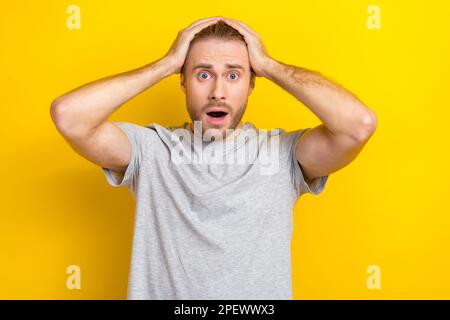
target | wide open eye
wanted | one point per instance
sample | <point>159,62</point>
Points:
<point>235,75</point>
<point>203,75</point>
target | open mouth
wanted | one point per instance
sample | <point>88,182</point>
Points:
<point>216,116</point>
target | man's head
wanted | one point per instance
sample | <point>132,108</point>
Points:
<point>217,76</point>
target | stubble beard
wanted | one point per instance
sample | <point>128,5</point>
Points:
<point>236,117</point>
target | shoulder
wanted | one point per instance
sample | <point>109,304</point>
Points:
<point>140,136</point>
<point>287,138</point>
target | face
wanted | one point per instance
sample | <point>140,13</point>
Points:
<point>217,77</point>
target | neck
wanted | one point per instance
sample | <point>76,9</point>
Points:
<point>229,137</point>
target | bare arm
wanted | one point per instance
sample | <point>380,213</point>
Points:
<point>347,122</point>
<point>81,115</point>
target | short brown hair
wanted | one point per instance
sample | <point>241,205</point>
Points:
<point>219,30</point>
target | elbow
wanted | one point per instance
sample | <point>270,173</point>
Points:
<point>55,110</point>
<point>63,119</point>
<point>58,115</point>
<point>366,128</point>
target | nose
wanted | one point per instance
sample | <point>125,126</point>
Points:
<point>218,91</point>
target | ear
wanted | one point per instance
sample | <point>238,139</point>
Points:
<point>182,82</point>
<point>252,85</point>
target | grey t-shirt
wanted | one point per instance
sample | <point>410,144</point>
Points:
<point>206,230</point>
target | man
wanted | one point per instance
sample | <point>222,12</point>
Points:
<point>214,230</point>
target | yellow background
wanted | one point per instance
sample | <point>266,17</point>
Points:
<point>389,208</point>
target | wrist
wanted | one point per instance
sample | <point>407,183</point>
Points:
<point>169,65</point>
<point>270,68</point>
<point>163,66</point>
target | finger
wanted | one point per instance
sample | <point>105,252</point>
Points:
<point>194,30</point>
<point>202,20</point>
<point>196,23</point>
<point>240,26</point>
<point>245,26</point>
<point>236,25</point>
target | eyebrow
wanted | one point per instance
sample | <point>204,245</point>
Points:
<point>227,65</point>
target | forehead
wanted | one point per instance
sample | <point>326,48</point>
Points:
<point>218,52</point>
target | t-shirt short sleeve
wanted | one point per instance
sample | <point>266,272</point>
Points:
<point>135,136</point>
<point>317,185</point>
